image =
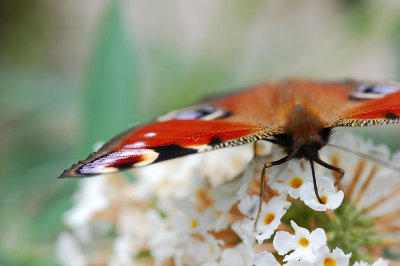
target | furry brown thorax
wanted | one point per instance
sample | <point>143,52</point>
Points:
<point>305,133</point>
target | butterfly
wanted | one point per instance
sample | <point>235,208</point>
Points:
<point>297,115</point>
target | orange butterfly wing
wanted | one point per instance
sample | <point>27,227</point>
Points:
<point>234,120</point>
<point>165,140</point>
<point>385,110</point>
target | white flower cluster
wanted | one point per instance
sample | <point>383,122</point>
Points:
<point>200,210</point>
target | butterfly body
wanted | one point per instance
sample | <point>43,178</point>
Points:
<point>299,115</point>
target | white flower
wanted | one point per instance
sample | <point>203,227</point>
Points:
<point>326,190</point>
<point>236,160</point>
<point>123,248</point>
<point>68,251</point>
<point>233,256</point>
<point>198,251</point>
<point>264,259</point>
<point>304,243</point>
<point>167,180</point>
<point>173,178</point>
<point>243,255</point>
<point>379,262</point>
<point>163,245</point>
<point>245,230</point>
<point>249,205</point>
<point>334,258</point>
<point>289,178</point>
<point>230,192</point>
<point>270,217</point>
<point>298,263</point>
<point>263,148</point>
<point>192,220</point>
<point>90,198</point>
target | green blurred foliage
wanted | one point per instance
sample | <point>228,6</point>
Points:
<point>50,119</point>
<point>31,199</point>
<point>112,90</point>
<point>40,136</point>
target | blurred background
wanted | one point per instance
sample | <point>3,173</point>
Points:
<point>73,73</point>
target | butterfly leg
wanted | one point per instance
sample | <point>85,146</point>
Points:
<point>330,167</point>
<point>315,182</point>
<point>262,187</point>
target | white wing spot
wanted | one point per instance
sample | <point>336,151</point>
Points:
<point>136,145</point>
<point>98,145</point>
<point>150,134</point>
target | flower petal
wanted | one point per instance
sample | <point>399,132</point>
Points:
<point>325,189</point>
<point>249,205</point>
<point>317,238</point>
<point>299,231</point>
<point>303,254</point>
<point>264,259</point>
<point>284,242</point>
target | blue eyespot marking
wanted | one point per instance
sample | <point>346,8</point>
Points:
<point>203,112</point>
<point>195,114</point>
<point>374,91</point>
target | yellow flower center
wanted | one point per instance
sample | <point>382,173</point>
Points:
<point>296,182</point>
<point>324,199</point>
<point>193,224</point>
<point>329,262</point>
<point>268,218</point>
<point>304,242</point>
<point>211,249</point>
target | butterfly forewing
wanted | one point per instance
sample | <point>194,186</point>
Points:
<point>254,114</point>
<point>165,140</point>
<point>384,110</point>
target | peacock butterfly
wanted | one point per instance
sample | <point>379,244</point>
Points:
<point>297,115</point>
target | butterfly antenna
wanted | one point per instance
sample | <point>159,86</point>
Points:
<point>366,156</point>
<point>262,187</point>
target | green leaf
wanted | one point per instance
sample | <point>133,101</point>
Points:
<point>112,91</point>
